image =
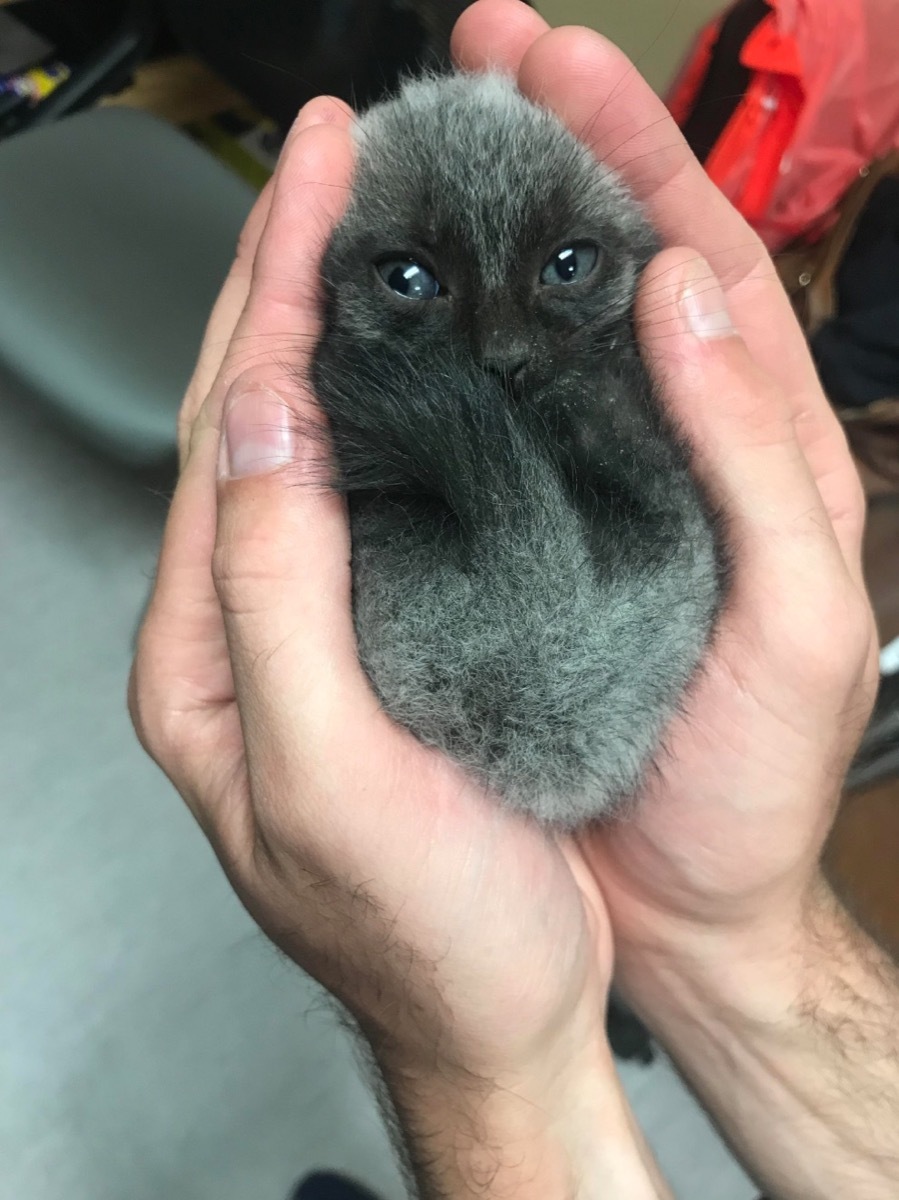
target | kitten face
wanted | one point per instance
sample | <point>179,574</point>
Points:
<point>501,225</point>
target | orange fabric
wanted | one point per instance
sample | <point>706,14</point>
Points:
<point>747,158</point>
<point>823,103</point>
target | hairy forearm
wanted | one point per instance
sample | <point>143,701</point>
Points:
<point>792,1042</point>
<point>546,1134</point>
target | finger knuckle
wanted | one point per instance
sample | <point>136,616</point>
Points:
<point>249,571</point>
<point>158,722</point>
<point>147,712</point>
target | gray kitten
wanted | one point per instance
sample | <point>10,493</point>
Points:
<point>535,570</point>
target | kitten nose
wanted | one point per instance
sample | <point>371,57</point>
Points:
<point>508,361</point>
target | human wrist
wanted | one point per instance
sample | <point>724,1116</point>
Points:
<point>557,1126</point>
<point>755,970</point>
<point>789,1037</point>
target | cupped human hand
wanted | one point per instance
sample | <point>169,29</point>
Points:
<point>718,859</point>
<point>369,859</point>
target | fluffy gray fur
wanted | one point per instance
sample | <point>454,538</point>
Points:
<point>535,569</point>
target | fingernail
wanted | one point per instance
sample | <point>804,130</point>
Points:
<point>703,303</point>
<point>257,434</point>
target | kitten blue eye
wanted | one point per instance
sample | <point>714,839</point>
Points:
<point>571,264</point>
<point>409,279</point>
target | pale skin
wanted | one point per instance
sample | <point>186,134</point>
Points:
<point>475,950</point>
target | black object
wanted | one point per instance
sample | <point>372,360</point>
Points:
<point>331,1185</point>
<point>280,53</point>
<point>74,27</point>
<point>628,1036</point>
<point>857,351</point>
<point>726,79</point>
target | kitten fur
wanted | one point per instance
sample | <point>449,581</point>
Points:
<point>535,570</point>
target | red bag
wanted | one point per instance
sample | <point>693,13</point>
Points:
<point>821,103</point>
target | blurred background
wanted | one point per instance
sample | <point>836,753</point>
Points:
<point>152,1043</point>
<point>656,36</point>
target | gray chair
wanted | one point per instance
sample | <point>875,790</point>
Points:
<point>116,231</point>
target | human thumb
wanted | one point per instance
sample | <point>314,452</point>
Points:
<point>282,569</point>
<point>734,416</point>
